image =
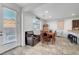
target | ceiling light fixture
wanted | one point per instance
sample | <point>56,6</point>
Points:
<point>73,14</point>
<point>46,11</point>
<point>50,17</point>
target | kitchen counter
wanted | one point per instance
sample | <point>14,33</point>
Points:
<point>76,33</point>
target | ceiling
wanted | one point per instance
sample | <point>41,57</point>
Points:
<point>29,6</point>
<point>52,11</point>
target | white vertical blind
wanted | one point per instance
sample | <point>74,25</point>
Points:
<point>36,25</point>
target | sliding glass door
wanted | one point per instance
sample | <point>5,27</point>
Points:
<point>9,25</point>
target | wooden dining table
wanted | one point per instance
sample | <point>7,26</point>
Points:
<point>47,36</point>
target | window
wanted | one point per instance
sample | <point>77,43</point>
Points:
<point>36,24</point>
<point>9,25</point>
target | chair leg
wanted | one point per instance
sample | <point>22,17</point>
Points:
<point>53,40</point>
<point>42,41</point>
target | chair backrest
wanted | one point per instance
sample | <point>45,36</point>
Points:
<point>29,33</point>
<point>55,33</point>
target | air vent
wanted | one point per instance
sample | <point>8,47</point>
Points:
<point>37,18</point>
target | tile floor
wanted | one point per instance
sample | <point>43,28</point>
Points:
<point>62,47</point>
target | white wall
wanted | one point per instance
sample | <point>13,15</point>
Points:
<point>28,24</point>
<point>27,21</point>
<point>15,7</point>
<point>67,24</point>
<point>52,25</point>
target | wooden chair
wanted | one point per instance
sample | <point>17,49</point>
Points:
<point>52,36</point>
<point>44,37</point>
<point>47,36</point>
